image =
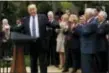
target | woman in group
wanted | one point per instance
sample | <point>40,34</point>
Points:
<point>6,29</point>
<point>72,45</point>
<point>61,39</point>
<point>6,44</point>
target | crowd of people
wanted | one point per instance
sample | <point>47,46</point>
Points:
<point>78,42</point>
<point>82,41</point>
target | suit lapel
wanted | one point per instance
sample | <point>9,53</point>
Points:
<point>101,24</point>
<point>39,23</point>
<point>28,24</point>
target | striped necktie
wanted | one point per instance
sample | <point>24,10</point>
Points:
<point>33,27</point>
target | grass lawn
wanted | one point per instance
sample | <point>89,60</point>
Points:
<point>27,60</point>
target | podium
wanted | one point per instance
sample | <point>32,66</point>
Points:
<point>19,40</point>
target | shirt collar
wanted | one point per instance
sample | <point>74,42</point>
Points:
<point>89,19</point>
<point>102,22</point>
<point>34,16</point>
<point>51,20</point>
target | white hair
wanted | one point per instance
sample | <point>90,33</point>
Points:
<point>51,13</point>
<point>32,6</point>
<point>90,11</point>
<point>5,21</point>
<point>94,10</point>
<point>5,29</point>
<point>103,13</point>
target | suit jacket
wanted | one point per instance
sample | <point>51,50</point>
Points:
<point>43,21</point>
<point>51,32</point>
<point>51,29</point>
<point>88,36</point>
<point>102,42</point>
<point>72,40</point>
<point>17,28</point>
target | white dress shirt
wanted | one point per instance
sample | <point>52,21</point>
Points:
<point>36,25</point>
<point>51,20</point>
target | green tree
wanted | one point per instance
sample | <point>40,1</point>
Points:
<point>44,7</point>
<point>66,5</point>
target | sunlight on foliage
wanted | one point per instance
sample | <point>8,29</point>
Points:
<point>66,5</point>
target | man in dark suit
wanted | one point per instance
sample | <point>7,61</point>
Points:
<point>102,42</point>
<point>35,26</point>
<point>88,41</point>
<point>17,27</point>
<point>53,57</point>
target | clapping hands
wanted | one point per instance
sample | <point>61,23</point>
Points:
<point>73,26</point>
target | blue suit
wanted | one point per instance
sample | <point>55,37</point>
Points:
<point>88,44</point>
<point>88,38</point>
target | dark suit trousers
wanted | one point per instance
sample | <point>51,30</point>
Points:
<point>102,61</point>
<point>54,58</point>
<point>68,58</point>
<point>37,53</point>
<point>52,55</point>
<point>76,59</point>
<point>87,63</point>
<point>72,58</point>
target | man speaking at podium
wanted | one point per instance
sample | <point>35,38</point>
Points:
<point>35,26</point>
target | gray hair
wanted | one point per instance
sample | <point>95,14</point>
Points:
<point>103,13</point>
<point>51,13</point>
<point>89,11</point>
<point>32,6</point>
<point>94,11</point>
<point>5,21</point>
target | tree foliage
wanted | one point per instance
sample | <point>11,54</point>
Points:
<point>13,10</point>
<point>66,5</point>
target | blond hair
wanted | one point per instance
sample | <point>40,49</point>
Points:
<point>32,6</point>
<point>65,17</point>
<point>73,18</point>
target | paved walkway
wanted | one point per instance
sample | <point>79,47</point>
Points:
<point>51,69</point>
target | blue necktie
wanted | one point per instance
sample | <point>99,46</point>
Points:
<point>33,27</point>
